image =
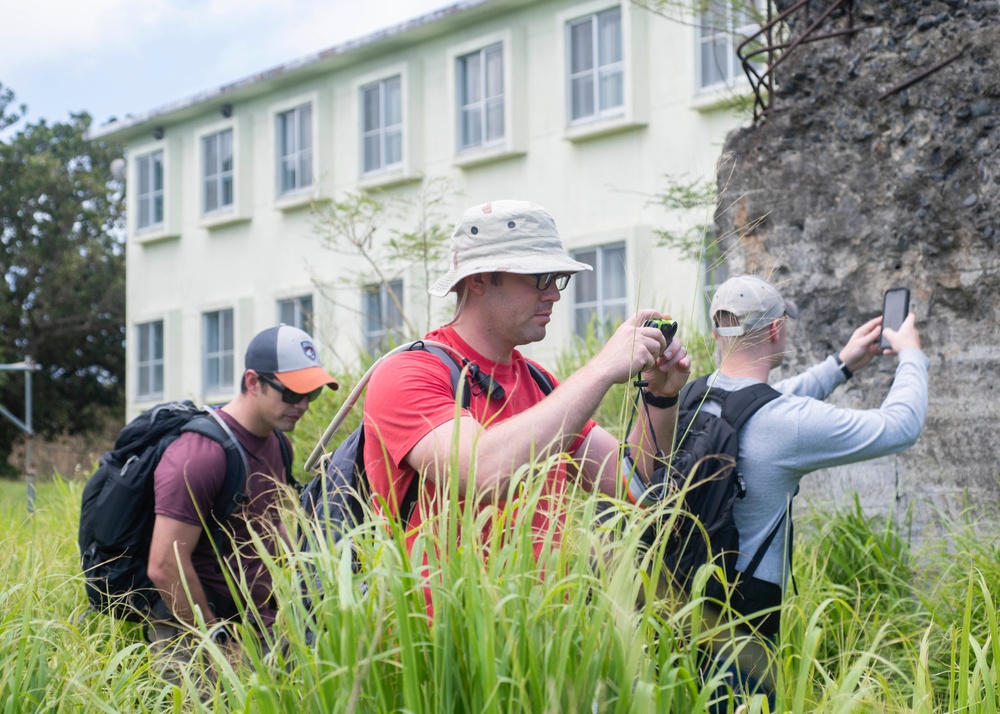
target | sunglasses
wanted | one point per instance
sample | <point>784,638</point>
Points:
<point>287,395</point>
<point>543,280</point>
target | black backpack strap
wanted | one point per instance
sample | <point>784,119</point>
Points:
<point>286,460</point>
<point>233,492</point>
<point>739,406</point>
<point>541,379</point>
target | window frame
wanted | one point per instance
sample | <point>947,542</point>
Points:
<point>303,317</point>
<point>383,128</point>
<point>596,71</point>
<point>154,158</point>
<point>295,110</point>
<point>146,361</point>
<point>601,304</point>
<point>377,340</point>
<point>708,32</point>
<point>219,175</point>
<point>218,384</point>
<point>483,104</point>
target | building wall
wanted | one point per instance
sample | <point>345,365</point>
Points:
<point>597,181</point>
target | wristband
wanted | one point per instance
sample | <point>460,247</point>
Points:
<point>221,636</point>
<point>843,367</point>
<point>659,402</point>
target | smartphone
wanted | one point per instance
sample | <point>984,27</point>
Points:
<point>895,308</point>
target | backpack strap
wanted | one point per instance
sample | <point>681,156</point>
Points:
<point>286,460</point>
<point>233,491</point>
<point>541,379</point>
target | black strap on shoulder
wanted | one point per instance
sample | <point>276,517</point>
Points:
<point>409,500</point>
<point>233,492</point>
<point>541,379</point>
<point>286,460</point>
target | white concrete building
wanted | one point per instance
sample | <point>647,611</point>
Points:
<point>584,107</point>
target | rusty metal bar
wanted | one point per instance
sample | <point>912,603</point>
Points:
<point>923,75</point>
<point>763,84</point>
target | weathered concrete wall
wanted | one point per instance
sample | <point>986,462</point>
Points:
<point>855,194</point>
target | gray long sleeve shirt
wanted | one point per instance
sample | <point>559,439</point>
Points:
<point>798,432</point>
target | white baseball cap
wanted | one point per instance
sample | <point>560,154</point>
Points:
<point>753,301</point>
<point>505,237</point>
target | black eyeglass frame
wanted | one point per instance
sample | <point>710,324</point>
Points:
<point>287,395</point>
<point>543,280</point>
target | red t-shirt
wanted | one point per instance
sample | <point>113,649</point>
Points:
<point>186,483</point>
<point>410,395</point>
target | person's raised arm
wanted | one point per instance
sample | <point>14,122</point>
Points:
<point>547,428</point>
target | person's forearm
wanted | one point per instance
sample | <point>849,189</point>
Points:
<point>171,583</point>
<point>547,428</point>
<point>644,450</point>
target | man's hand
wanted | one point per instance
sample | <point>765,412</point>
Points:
<point>863,345</point>
<point>671,372</point>
<point>906,336</point>
<point>633,350</point>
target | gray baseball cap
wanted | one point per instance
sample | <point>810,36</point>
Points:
<point>753,301</point>
<point>288,353</point>
<point>505,237</point>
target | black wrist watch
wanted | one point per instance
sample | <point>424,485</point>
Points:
<point>658,402</point>
<point>221,636</point>
<point>843,367</point>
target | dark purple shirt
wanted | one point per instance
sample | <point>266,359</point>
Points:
<point>186,484</point>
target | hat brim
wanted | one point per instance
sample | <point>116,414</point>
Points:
<point>306,380</point>
<point>531,266</point>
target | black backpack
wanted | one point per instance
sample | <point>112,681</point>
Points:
<point>116,513</point>
<point>338,497</point>
<point>704,467</point>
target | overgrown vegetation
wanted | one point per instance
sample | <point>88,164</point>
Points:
<point>874,627</point>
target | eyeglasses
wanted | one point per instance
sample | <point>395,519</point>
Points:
<point>287,395</point>
<point>543,280</point>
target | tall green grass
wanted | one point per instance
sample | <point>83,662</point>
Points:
<point>873,628</point>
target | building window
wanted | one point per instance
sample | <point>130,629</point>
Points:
<point>149,360</point>
<point>218,362</point>
<point>295,159</point>
<point>600,296</point>
<point>721,28</point>
<point>480,98</point>
<point>150,195</point>
<point>382,125</point>
<point>217,150</point>
<point>596,67</point>
<point>297,312</point>
<point>383,315</point>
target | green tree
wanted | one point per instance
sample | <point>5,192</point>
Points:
<point>63,266</point>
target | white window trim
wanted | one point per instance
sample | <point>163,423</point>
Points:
<point>406,170</point>
<point>305,195</point>
<point>384,299</point>
<point>482,104</point>
<point>599,249</point>
<point>382,130</point>
<point>139,363</point>
<point>515,97</point>
<point>737,79</point>
<point>157,226</point>
<point>635,22</point>
<point>595,71</point>
<point>296,296</point>
<point>222,389</point>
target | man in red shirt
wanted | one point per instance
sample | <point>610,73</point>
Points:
<point>283,375</point>
<point>508,267</point>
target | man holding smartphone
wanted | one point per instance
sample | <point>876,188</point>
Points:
<point>798,432</point>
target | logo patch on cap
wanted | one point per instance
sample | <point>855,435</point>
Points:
<point>309,351</point>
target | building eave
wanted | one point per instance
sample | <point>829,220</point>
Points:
<point>344,54</point>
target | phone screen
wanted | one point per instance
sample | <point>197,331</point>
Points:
<point>895,308</point>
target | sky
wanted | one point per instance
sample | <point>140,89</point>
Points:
<point>112,58</point>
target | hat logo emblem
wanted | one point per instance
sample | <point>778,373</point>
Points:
<point>309,351</point>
